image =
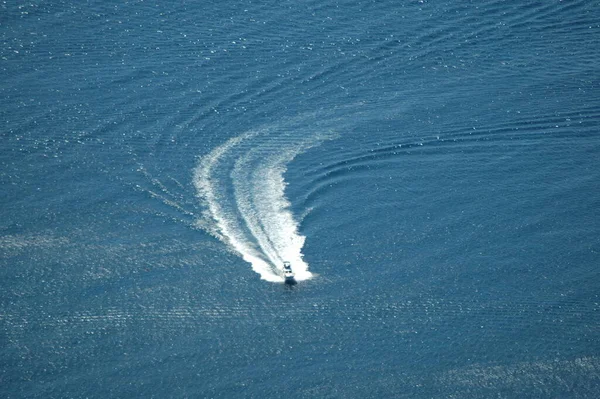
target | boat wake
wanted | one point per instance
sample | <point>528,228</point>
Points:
<point>242,187</point>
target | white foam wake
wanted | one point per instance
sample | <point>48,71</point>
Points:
<point>242,187</point>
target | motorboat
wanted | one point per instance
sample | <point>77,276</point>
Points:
<point>288,273</point>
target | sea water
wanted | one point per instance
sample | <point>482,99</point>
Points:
<point>430,168</point>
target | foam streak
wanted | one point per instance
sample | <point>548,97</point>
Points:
<point>242,187</point>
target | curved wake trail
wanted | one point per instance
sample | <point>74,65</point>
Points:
<point>242,187</point>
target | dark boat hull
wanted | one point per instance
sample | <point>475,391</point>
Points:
<point>290,281</point>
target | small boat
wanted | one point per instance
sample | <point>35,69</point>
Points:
<point>288,274</point>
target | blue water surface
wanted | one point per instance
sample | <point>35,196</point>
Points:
<point>431,169</point>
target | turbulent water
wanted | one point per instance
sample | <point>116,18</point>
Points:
<point>430,170</point>
<point>241,183</point>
